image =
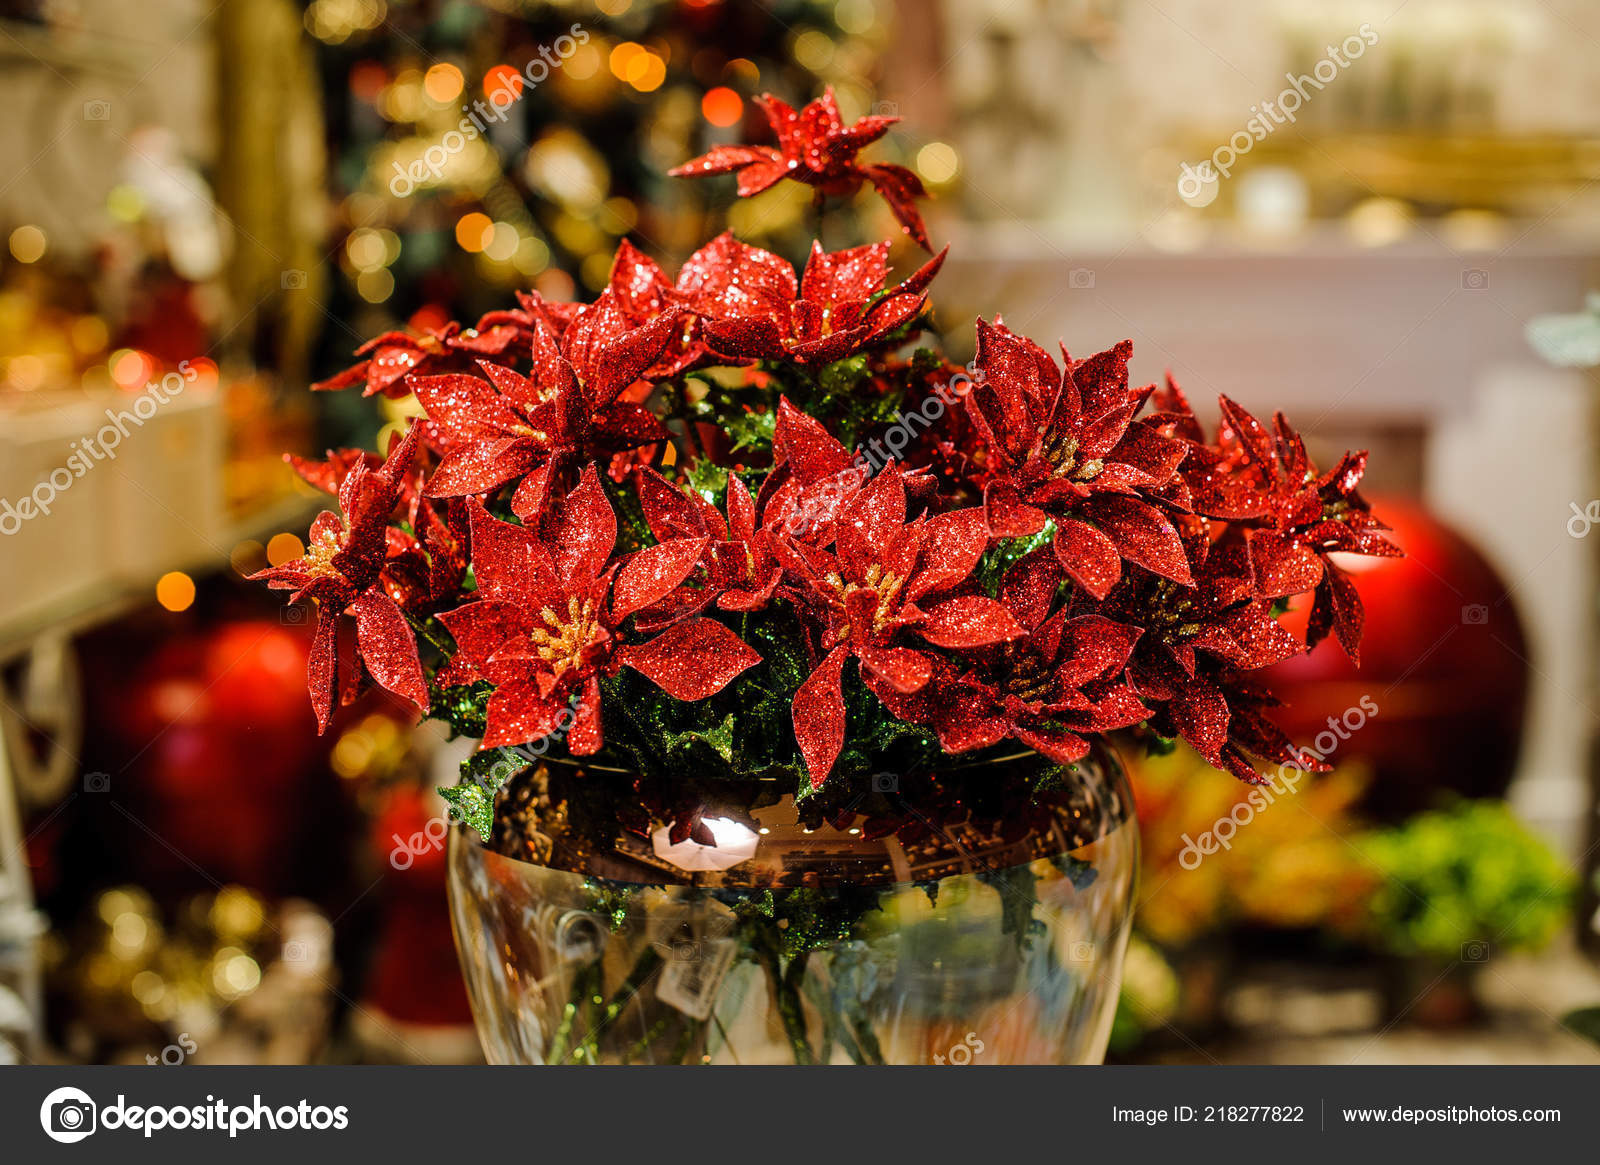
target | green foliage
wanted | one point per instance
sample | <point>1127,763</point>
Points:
<point>482,774</point>
<point>802,919</point>
<point>750,430</point>
<point>470,804</point>
<point>1472,874</point>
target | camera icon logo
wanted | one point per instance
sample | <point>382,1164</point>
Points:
<point>687,952</point>
<point>292,615</point>
<point>68,1115</point>
<point>293,281</point>
<point>886,108</point>
<point>97,111</point>
<point>1080,277</point>
<point>1475,279</point>
<point>96,782</point>
<point>1476,951</point>
<point>1474,614</point>
<point>885,783</point>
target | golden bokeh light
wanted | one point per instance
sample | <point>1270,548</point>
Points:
<point>175,591</point>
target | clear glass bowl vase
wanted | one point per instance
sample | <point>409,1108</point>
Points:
<point>931,921</point>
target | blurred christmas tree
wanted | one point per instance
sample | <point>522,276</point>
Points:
<point>480,148</point>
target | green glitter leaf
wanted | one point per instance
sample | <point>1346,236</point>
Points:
<point>470,804</point>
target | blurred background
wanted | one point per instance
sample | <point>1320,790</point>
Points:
<point>1382,217</point>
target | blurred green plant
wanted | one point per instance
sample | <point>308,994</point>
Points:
<point>1463,879</point>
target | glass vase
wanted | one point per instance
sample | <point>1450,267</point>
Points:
<point>947,919</point>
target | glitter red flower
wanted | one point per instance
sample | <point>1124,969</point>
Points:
<point>548,626</point>
<point>817,148</point>
<point>342,571</point>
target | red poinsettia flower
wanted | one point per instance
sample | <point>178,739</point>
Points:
<point>887,579</point>
<point>1294,517</point>
<point>1063,444</point>
<point>393,356</point>
<point>1197,641</point>
<point>342,571</point>
<point>817,148</point>
<point>736,570</point>
<point>544,631</point>
<point>641,293</point>
<point>422,567</point>
<point>834,311</point>
<point>1062,679</point>
<point>536,429</point>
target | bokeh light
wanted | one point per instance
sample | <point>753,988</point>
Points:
<point>722,106</point>
<point>442,83</point>
<point>175,591</point>
<point>27,244</point>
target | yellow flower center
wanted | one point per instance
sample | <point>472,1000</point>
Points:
<point>879,582</point>
<point>561,642</point>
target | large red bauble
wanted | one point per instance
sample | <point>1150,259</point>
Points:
<point>1443,658</point>
<point>224,753</point>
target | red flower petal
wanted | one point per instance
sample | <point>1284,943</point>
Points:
<point>819,716</point>
<point>510,563</point>
<point>692,660</point>
<point>624,359</point>
<point>1249,431</point>
<point>1141,534</point>
<point>723,160</point>
<point>1101,380</point>
<point>519,712</point>
<point>969,621</point>
<point>585,737</point>
<point>1029,587</point>
<point>480,629</point>
<point>389,647</point>
<point>870,521</point>
<point>1282,565</point>
<point>955,543</point>
<point>671,513</point>
<point>588,532</point>
<point>653,573</point>
<point>466,406</point>
<point>725,279</point>
<point>759,338</point>
<point>480,466</point>
<point>1093,647</point>
<point>809,449</point>
<point>1088,556</point>
<point>1063,747</point>
<point>322,666</point>
<point>848,276</point>
<point>1007,515</point>
<point>901,668</point>
<point>1201,714</point>
<point>900,188</point>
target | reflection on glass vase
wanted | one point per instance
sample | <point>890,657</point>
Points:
<point>978,915</point>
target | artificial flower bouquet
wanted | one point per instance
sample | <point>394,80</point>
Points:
<point>741,526</point>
